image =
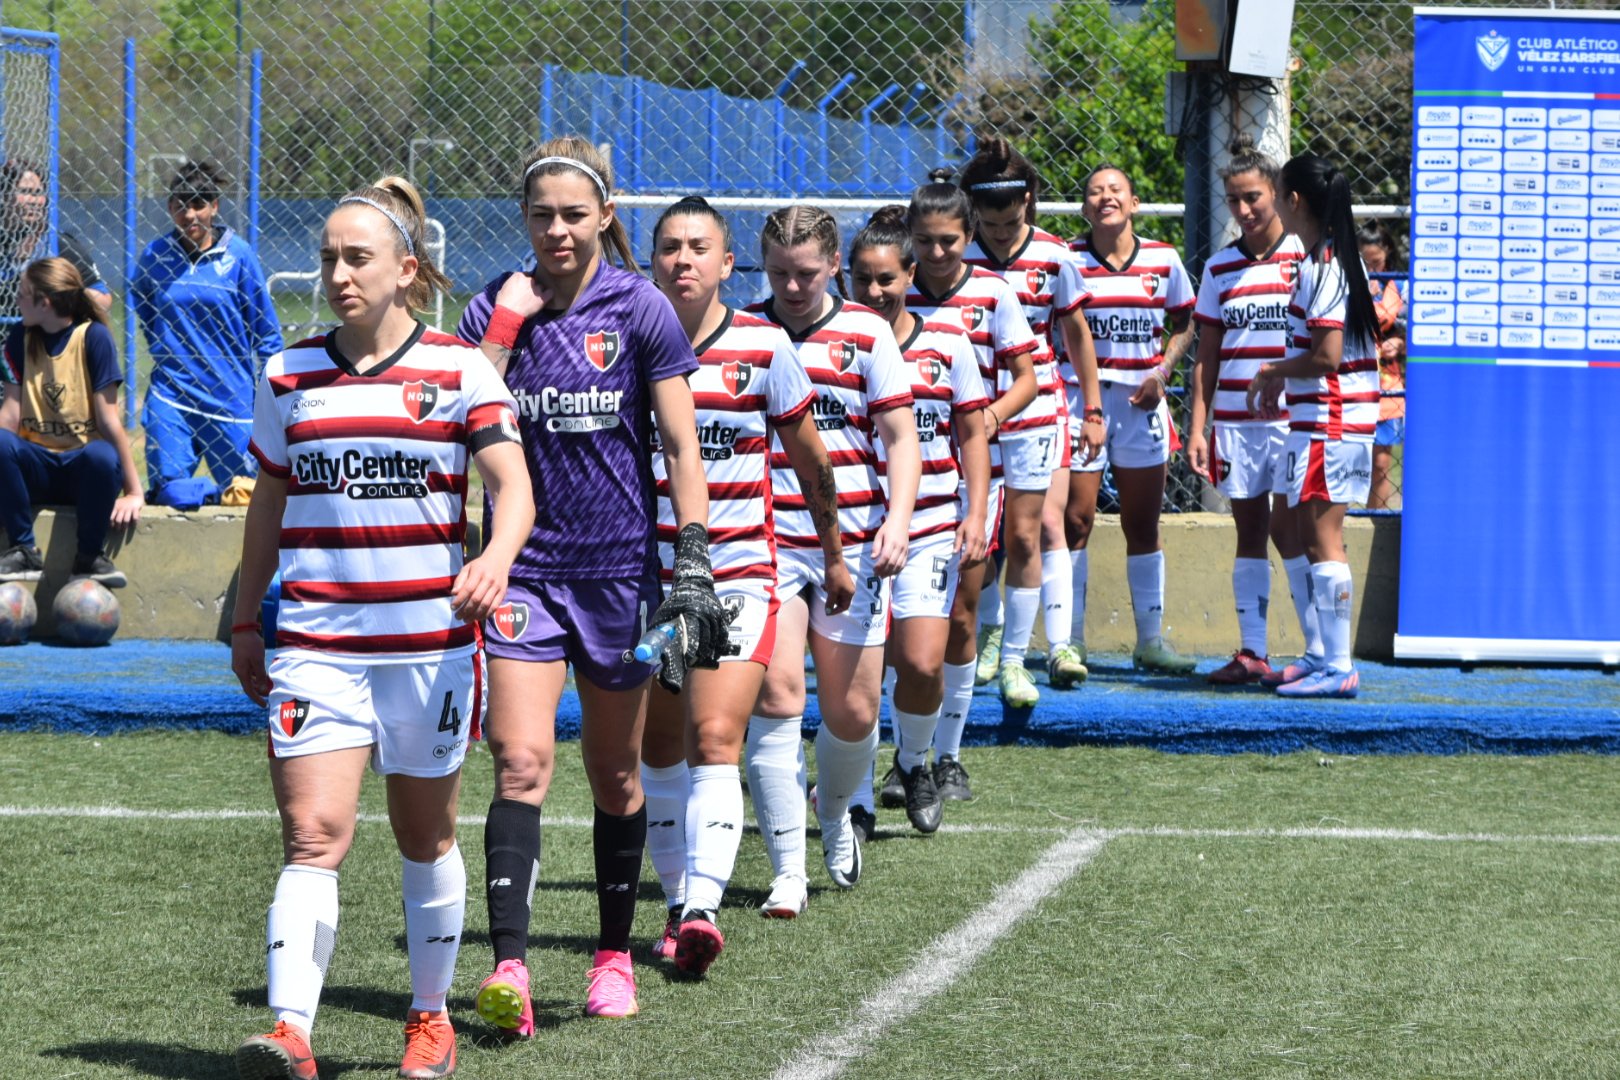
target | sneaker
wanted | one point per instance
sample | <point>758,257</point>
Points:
<point>25,563</point>
<point>613,985</point>
<point>1018,687</point>
<point>281,1055</point>
<point>924,808</point>
<point>503,999</point>
<point>98,568</point>
<point>698,943</point>
<point>841,851</point>
<point>789,895</point>
<point>430,1046</point>
<point>989,655</point>
<point>892,793</point>
<point>1293,672</point>
<point>864,822</point>
<point>664,947</point>
<point>1158,656</point>
<point>1325,683</point>
<point>1244,667</point>
<point>1066,668</point>
<point>951,780</point>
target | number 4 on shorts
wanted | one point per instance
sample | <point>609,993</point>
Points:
<point>450,717</point>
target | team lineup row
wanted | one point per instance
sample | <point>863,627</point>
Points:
<point>828,470</point>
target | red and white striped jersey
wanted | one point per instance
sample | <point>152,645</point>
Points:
<point>376,471</point>
<point>1247,297</point>
<point>854,365</point>
<point>984,305</point>
<point>748,378</point>
<point>1046,277</point>
<point>1127,306</point>
<point>1342,405</point>
<point>945,384</point>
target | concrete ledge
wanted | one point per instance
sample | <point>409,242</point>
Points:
<point>182,580</point>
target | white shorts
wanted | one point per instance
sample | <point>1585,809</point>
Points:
<point>865,622</point>
<point>1321,471</point>
<point>993,507</point>
<point>926,588</point>
<point>1029,458</point>
<point>416,717</point>
<point>750,605</point>
<point>1247,459</point>
<point>1135,438</point>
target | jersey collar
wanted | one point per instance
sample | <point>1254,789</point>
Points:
<point>725,324</point>
<point>967,272</point>
<point>1012,256</point>
<point>1136,249</point>
<point>809,331</point>
<point>347,367</point>
<point>1243,249</point>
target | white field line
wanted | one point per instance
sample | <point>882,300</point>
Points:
<point>944,960</point>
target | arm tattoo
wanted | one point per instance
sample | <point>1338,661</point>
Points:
<point>822,499</point>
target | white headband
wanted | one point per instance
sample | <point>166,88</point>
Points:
<point>572,163</point>
<point>410,245</point>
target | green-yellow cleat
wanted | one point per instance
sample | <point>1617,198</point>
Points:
<point>1066,667</point>
<point>1017,687</point>
<point>989,655</point>
<point>1158,656</point>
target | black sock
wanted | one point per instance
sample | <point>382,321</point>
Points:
<point>512,866</point>
<point>620,843</point>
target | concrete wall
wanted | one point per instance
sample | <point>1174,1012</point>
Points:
<point>182,580</point>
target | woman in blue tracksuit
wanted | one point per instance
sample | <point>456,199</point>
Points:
<point>203,304</point>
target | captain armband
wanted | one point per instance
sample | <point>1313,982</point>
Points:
<point>492,426</point>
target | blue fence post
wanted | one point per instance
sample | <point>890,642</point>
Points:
<point>716,139</point>
<point>548,113</point>
<point>53,184</point>
<point>866,133</point>
<point>784,167</point>
<point>939,129</point>
<point>638,132</point>
<point>131,224</point>
<point>908,130</point>
<point>255,133</point>
<point>822,128</point>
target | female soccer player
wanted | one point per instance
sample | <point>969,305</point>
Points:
<point>1378,255</point>
<point>591,352</point>
<point>1021,424</point>
<point>948,531</point>
<point>1137,294</point>
<point>1332,381</point>
<point>362,436</point>
<point>749,384</point>
<point>850,355</point>
<point>1004,187</point>
<point>1243,312</point>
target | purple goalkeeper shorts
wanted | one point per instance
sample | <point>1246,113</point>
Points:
<point>592,623</point>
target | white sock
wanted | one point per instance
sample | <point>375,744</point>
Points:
<point>1251,589</point>
<point>1022,604</point>
<point>1080,569</point>
<point>1057,588</point>
<point>990,613</point>
<point>953,712</point>
<point>1299,586</point>
<point>776,784</point>
<point>667,792</point>
<point>1331,592</point>
<point>916,733</point>
<point>1146,576</point>
<point>839,768</point>
<point>435,897</point>
<point>714,823</point>
<point>300,934</point>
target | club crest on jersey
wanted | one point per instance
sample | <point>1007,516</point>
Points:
<point>420,399</point>
<point>734,608</point>
<point>972,316</point>
<point>510,620</point>
<point>736,376</point>
<point>602,348</point>
<point>1036,280</point>
<point>842,355</point>
<point>1150,283</point>
<point>930,369</point>
<point>292,715</point>
<point>1290,273</point>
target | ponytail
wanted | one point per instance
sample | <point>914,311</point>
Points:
<point>940,196</point>
<point>577,155</point>
<point>402,204</point>
<point>1326,192</point>
<point>59,283</point>
<point>998,175</point>
<point>1247,157</point>
<point>886,228</point>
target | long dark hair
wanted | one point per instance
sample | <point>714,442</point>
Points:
<point>940,196</point>
<point>1326,191</point>
<point>998,175</point>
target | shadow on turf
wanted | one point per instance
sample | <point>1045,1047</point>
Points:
<point>391,1005</point>
<point>185,1062</point>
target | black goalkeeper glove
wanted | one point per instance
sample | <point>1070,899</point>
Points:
<point>698,618</point>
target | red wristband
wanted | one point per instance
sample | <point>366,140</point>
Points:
<point>243,627</point>
<point>504,324</point>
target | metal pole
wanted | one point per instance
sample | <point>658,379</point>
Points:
<point>131,223</point>
<point>241,104</point>
<point>255,133</point>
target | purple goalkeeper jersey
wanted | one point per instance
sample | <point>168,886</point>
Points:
<point>582,380</point>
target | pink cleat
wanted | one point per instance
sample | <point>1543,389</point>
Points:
<point>700,941</point>
<point>503,999</point>
<point>613,985</point>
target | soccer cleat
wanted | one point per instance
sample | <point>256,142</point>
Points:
<point>503,999</point>
<point>1325,683</point>
<point>98,568</point>
<point>1017,687</point>
<point>22,563</point>
<point>1244,667</point>
<point>1066,668</point>
<point>863,821</point>
<point>951,780</point>
<point>664,947</point>
<point>924,808</point>
<point>892,794</point>
<point>989,655</point>
<point>430,1047</point>
<point>1158,656</point>
<point>698,943</point>
<point>789,895</point>
<point>281,1055</point>
<point>1293,672</point>
<point>841,851</point>
<point>613,985</point>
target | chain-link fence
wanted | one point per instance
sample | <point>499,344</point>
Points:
<point>833,101</point>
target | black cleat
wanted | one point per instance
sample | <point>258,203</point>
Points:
<point>952,780</point>
<point>863,821</point>
<point>892,795</point>
<point>924,808</point>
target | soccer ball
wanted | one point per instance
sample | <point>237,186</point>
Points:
<point>86,613</point>
<point>17,613</point>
